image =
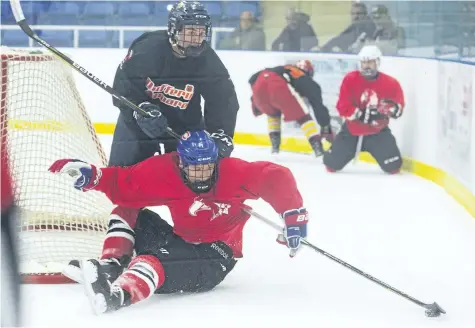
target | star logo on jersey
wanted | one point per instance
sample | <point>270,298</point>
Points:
<point>221,209</point>
<point>170,95</point>
<point>216,209</point>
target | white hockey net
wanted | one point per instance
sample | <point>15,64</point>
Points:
<point>44,120</point>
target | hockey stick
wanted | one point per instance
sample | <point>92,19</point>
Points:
<point>358,149</point>
<point>21,21</point>
<point>432,310</point>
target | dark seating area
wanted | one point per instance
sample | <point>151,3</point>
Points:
<point>106,13</point>
<point>119,13</point>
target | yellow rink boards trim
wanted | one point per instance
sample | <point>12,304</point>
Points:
<point>453,187</point>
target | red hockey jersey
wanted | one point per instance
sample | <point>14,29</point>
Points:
<point>358,92</point>
<point>197,218</point>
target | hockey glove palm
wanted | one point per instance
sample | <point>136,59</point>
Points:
<point>153,123</point>
<point>85,175</point>
<point>224,143</point>
<point>295,229</point>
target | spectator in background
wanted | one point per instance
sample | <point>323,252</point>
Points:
<point>352,39</point>
<point>387,36</point>
<point>298,35</point>
<point>248,36</point>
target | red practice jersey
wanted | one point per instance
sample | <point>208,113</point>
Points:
<point>216,215</point>
<point>358,92</point>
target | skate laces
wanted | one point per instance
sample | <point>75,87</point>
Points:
<point>116,291</point>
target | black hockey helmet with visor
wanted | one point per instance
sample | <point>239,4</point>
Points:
<point>189,28</point>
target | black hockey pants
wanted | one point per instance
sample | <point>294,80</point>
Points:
<point>188,267</point>
<point>382,146</point>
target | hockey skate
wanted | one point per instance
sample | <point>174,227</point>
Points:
<point>316,144</point>
<point>275,142</point>
<point>112,266</point>
<point>103,295</point>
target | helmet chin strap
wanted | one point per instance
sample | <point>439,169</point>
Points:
<point>198,186</point>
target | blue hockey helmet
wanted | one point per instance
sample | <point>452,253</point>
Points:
<point>198,158</point>
<point>189,28</point>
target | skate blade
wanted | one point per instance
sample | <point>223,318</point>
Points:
<point>89,276</point>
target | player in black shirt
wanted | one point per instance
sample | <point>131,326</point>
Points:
<point>166,73</point>
<point>281,91</point>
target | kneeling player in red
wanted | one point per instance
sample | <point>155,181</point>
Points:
<point>205,195</point>
<point>368,100</point>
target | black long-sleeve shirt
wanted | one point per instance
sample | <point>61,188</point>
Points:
<point>151,72</point>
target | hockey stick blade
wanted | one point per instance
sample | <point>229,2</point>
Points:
<point>432,310</point>
<point>23,24</point>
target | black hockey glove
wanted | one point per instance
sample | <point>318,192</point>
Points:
<point>224,143</point>
<point>154,124</point>
<point>370,115</point>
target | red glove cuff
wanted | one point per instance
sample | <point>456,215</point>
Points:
<point>295,217</point>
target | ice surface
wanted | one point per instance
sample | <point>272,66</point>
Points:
<point>401,229</point>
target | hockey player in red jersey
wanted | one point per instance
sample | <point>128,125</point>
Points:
<point>205,195</point>
<point>281,91</point>
<point>368,100</point>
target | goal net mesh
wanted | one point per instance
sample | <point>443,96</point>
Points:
<point>44,119</point>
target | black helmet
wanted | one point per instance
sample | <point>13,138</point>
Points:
<point>196,37</point>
